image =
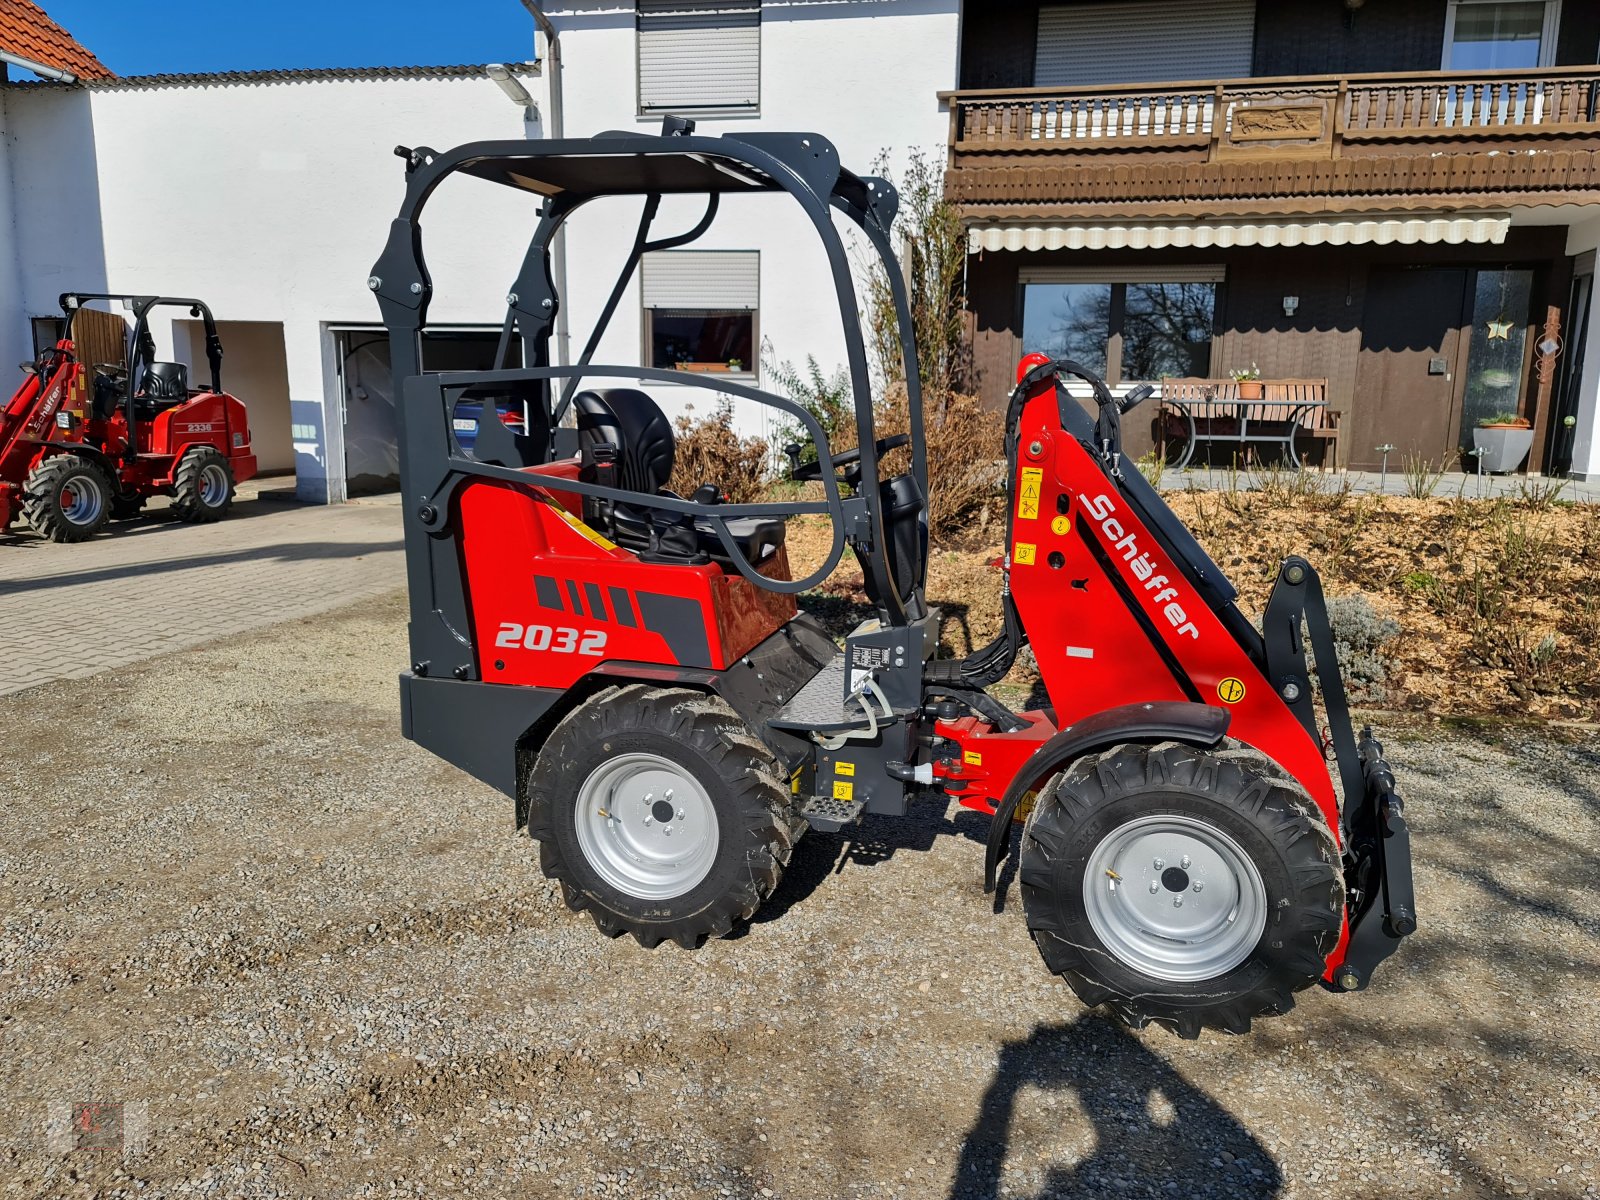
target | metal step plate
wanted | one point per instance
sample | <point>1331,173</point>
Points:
<point>825,814</point>
<point>819,705</point>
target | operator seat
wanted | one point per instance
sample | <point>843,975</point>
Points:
<point>623,433</point>
<point>163,385</point>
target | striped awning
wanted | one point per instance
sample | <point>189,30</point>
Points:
<point>1399,230</point>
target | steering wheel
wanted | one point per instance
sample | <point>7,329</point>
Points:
<point>849,459</point>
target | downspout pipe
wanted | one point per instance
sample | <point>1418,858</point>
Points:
<point>54,74</point>
<point>551,56</point>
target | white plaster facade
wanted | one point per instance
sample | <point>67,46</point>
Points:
<point>269,196</point>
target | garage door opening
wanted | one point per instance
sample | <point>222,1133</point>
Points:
<point>371,442</point>
<point>255,370</point>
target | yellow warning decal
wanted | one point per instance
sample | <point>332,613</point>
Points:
<point>1060,526</point>
<point>1026,807</point>
<point>794,783</point>
<point>845,768</point>
<point>973,757</point>
<point>843,790</point>
<point>1028,493</point>
<point>1230,690</point>
<point>1022,554</point>
<point>598,539</point>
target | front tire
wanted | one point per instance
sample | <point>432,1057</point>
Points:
<point>660,814</point>
<point>202,487</point>
<point>67,498</point>
<point>1190,888</point>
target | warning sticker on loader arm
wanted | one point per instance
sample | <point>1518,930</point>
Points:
<point>1028,494</point>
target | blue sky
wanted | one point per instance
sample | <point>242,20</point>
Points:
<point>134,37</point>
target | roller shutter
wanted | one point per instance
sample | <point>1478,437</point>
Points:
<point>1143,41</point>
<point>699,54</point>
<point>717,280</point>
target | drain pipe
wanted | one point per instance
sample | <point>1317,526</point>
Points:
<point>558,266</point>
<point>54,74</point>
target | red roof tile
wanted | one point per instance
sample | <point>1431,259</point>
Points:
<point>27,32</point>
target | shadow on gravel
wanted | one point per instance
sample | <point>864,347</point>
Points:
<point>1155,1134</point>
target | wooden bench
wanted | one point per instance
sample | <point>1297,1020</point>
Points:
<point>1210,410</point>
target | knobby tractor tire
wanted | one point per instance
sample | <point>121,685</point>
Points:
<point>202,486</point>
<point>1139,806</point>
<point>718,759</point>
<point>67,498</point>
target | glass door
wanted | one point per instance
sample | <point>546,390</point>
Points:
<point>1497,350</point>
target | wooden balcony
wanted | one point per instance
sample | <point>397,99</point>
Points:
<point>1307,143</point>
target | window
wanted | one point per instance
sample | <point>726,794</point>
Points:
<point>1143,41</point>
<point>1496,35</point>
<point>700,309</point>
<point>699,55</point>
<point>1129,325</point>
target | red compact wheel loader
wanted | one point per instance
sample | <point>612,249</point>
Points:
<point>82,443</point>
<point>630,667</point>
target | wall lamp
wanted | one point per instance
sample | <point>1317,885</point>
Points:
<point>512,87</point>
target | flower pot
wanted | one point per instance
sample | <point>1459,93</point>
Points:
<point>1251,389</point>
<point>1504,446</point>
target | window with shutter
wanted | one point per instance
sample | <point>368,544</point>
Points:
<point>697,55</point>
<point>1143,41</point>
<point>700,310</point>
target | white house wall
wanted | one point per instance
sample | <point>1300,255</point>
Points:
<point>863,73</point>
<point>270,201</point>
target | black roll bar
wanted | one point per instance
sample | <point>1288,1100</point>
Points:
<point>566,174</point>
<point>138,359</point>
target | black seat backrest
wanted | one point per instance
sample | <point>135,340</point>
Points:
<point>165,382</point>
<point>636,426</point>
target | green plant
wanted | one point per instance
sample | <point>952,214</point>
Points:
<point>1245,374</point>
<point>1503,418</point>
<point>1422,477</point>
<point>1361,636</point>
<point>1540,495</point>
<point>1152,466</point>
<point>828,398</point>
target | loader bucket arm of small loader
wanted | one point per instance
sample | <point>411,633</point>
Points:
<point>1371,825</point>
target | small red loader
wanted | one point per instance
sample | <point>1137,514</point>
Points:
<point>630,667</point>
<point>82,444</point>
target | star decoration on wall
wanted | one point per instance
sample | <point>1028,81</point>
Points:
<point>1499,331</point>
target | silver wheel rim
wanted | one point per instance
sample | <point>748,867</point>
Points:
<point>1174,898</point>
<point>646,826</point>
<point>213,485</point>
<point>82,500</point>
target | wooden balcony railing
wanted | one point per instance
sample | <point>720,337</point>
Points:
<point>1305,116</point>
<point>1291,145</point>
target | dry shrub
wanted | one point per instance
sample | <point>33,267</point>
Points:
<point>966,452</point>
<point>710,450</point>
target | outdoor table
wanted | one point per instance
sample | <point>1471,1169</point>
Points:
<point>1278,421</point>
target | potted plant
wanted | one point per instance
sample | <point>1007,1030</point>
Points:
<point>736,364</point>
<point>1249,381</point>
<point>1503,441</point>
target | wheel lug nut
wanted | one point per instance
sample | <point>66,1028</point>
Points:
<point>680,814</point>
<point>1177,902</point>
<point>1155,886</point>
<point>1184,863</point>
<point>669,794</point>
<point>667,829</point>
<point>1198,885</point>
<point>649,820</point>
<point>1160,862</point>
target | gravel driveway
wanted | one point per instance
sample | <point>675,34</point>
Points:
<point>310,959</point>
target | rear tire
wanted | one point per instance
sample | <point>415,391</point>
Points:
<point>202,486</point>
<point>1116,857</point>
<point>67,498</point>
<point>598,805</point>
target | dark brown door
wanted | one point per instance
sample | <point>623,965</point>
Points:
<point>1407,376</point>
